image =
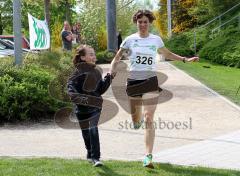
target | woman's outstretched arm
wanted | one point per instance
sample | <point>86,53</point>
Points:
<point>115,61</point>
<point>170,55</point>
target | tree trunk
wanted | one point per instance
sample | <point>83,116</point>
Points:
<point>47,11</point>
<point>67,13</point>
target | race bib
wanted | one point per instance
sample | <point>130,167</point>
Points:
<point>143,59</point>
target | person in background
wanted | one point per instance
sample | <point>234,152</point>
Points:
<point>75,34</point>
<point>67,36</point>
<point>78,32</point>
<point>119,38</point>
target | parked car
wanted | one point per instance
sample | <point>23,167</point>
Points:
<point>12,45</point>
<point>5,53</point>
<point>5,49</point>
<point>25,42</point>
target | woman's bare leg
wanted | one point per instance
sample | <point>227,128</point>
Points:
<point>149,107</point>
<point>135,104</point>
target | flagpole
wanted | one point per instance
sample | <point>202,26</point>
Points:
<point>111,25</point>
<point>17,32</point>
<point>169,14</point>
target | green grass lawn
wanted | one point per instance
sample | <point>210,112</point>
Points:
<point>63,167</point>
<point>222,79</point>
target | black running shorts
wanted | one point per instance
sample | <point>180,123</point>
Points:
<point>136,88</point>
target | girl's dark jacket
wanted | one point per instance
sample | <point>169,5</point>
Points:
<point>85,87</point>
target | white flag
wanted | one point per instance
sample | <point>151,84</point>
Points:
<point>39,33</point>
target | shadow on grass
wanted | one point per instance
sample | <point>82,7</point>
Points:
<point>195,171</point>
<point>106,171</point>
<point>152,171</point>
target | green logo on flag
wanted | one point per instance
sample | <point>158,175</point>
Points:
<point>41,40</point>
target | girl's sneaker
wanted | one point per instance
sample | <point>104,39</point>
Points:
<point>97,163</point>
<point>89,158</point>
<point>147,162</point>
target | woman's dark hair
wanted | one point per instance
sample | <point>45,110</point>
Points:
<point>80,51</point>
<point>141,13</point>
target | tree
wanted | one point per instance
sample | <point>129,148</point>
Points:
<point>206,10</point>
<point>69,5</point>
<point>217,7</point>
<point>35,8</point>
<point>125,11</point>
<point>147,4</point>
<point>1,25</point>
<point>6,13</point>
<point>93,20</point>
<point>200,11</point>
<point>182,18</point>
<point>161,18</point>
<point>161,23</point>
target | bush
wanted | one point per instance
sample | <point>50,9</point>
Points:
<point>56,38</point>
<point>25,89</point>
<point>222,48</point>
<point>216,48</point>
<point>202,37</point>
<point>104,57</point>
<point>37,89</point>
<point>6,61</point>
<point>102,38</point>
<point>179,44</point>
<point>91,24</point>
<point>24,94</point>
<point>183,43</point>
<point>232,59</point>
<point>50,60</point>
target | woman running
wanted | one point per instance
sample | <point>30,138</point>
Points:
<point>142,82</point>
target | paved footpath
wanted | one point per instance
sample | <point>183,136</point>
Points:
<point>195,126</point>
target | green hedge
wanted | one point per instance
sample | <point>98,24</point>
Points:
<point>224,48</point>
<point>183,44</point>
<point>24,94</point>
<point>179,44</point>
<point>24,91</point>
<point>104,57</point>
<point>37,89</point>
<point>232,58</point>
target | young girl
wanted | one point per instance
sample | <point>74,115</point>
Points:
<point>85,87</point>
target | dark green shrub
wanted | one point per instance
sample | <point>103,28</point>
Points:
<point>50,60</point>
<point>224,42</point>
<point>6,61</point>
<point>232,59</point>
<point>24,90</point>
<point>183,43</point>
<point>201,35</point>
<point>104,57</point>
<point>179,44</point>
<point>57,87</point>
<point>24,94</point>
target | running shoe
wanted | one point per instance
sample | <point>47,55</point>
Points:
<point>147,161</point>
<point>137,125</point>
